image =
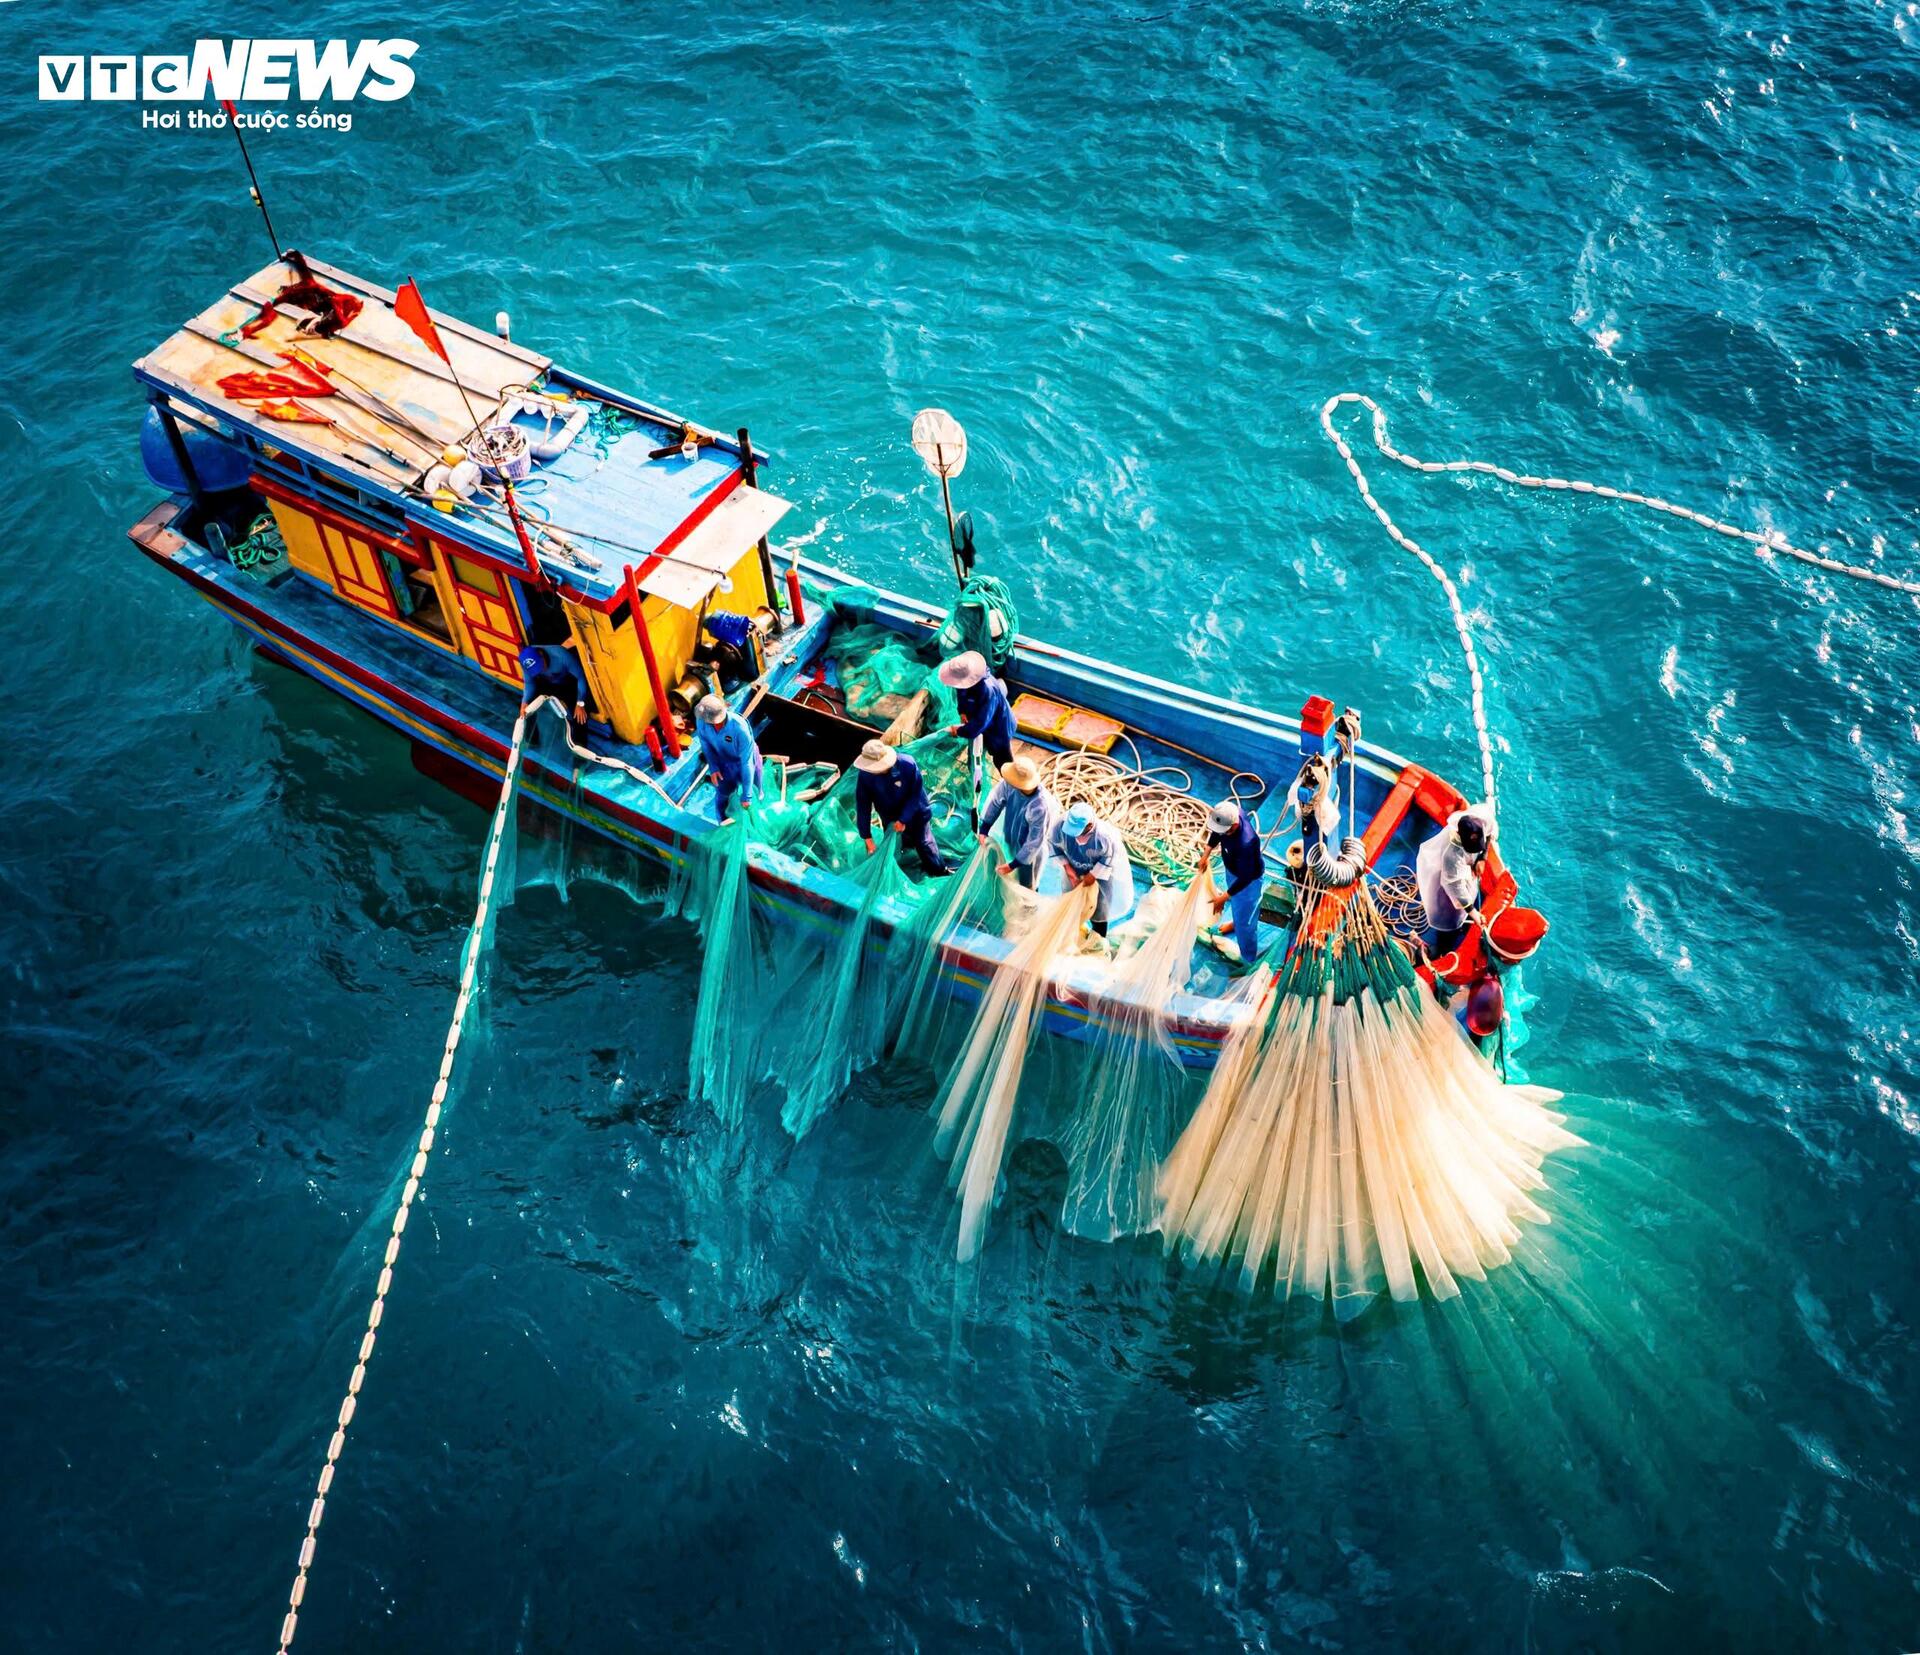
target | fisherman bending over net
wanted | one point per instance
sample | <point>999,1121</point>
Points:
<point>890,783</point>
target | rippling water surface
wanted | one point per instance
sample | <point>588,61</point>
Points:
<point>644,1387</point>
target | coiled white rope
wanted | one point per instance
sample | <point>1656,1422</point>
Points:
<point>1769,540</point>
<point>469,971</point>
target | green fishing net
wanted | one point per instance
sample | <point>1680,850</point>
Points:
<point>802,998</point>
<point>874,662</point>
<point>983,618</point>
<point>709,885</point>
<point>971,898</point>
<point>833,838</point>
<point>1136,1092</point>
<point>848,993</point>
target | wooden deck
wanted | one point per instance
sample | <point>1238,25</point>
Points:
<point>396,403</point>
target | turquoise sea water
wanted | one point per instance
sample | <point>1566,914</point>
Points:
<point>642,1387</point>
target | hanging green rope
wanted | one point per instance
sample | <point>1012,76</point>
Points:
<point>983,618</point>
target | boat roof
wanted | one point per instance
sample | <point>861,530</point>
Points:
<point>609,502</point>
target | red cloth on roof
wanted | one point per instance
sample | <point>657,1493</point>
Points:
<point>297,379</point>
<point>332,309</point>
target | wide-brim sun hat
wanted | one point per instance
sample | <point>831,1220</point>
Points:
<point>875,758</point>
<point>1079,819</point>
<point>1021,773</point>
<point>1223,816</point>
<point>964,670</point>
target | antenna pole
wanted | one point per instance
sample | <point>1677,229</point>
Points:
<point>253,180</point>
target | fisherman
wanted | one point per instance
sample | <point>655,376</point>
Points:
<point>1094,855</point>
<point>552,671</point>
<point>732,755</point>
<point>1232,831</point>
<point>890,783</point>
<point>1448,870</point>
<point>985,714</point>
<point>1503,938</point>
<point>1027,812</point>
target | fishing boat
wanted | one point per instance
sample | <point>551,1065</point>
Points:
<point>337,485</point>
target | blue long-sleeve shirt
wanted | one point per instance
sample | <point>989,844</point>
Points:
<point>1030,821</point>
<point>1103,855</point>
<point>558,675</point>
<point>1240,853</point>
<point>985,711</point>
<point>897,793</point>
<point>731,753</point>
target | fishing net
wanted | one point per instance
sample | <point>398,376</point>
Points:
<point>983,618</point>
<point>844,1016</point>
<point>833,838</point>
<point>1184,1169</point>
<point>975,1108</point>
<point>1116,1138</point>
<point>972,898</point>
<point>1353,1139</point>
<point>710,885</point>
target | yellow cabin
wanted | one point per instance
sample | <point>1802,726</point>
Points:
<point>614,505</point>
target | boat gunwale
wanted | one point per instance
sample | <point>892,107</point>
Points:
<point>1193,1019</point>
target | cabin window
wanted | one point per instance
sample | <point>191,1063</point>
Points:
<point>546,617</point>
<point>421,603</point>
<point>477,576</point>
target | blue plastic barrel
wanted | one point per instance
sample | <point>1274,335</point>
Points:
<point>218,464</point>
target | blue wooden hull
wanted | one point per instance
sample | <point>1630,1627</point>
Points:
<point>460,722</point>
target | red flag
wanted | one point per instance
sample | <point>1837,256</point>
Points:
<point>410,308</point>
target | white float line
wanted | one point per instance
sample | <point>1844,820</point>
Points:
<point>469,970</point>
<point>1770,540</point>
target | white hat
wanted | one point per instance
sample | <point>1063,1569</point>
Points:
<point>963,671</point>
<point>875,758</point>
<point>713,709</point>
<point>1224,816</point>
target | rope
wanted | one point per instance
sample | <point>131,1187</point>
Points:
<point>262,544</point>
<point>468,973</point>
<point>1163,826</point>
<point>1397,897</point>
<point>1433,568</point>
<point>587,753</point>
<point>1763,541</point>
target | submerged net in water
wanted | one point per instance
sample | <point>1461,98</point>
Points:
<point>710,885</point>
<point>1117,1135</point>
<point>844,1014</point>
<point>972,899</point>
<point>1351,1139</point>
<point>974,1111</point>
